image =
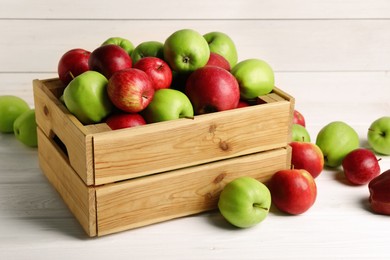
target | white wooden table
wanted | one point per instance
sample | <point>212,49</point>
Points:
<point>332,56</point>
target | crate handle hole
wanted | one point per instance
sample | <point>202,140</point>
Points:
<point>60,145</point>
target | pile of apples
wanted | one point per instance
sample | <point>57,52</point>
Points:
<point>189,74</point>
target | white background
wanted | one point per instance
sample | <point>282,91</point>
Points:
<point>332,56</point>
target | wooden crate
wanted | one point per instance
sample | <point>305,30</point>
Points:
<point>118,180</point>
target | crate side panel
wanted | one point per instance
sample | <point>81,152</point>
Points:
<point>151,199</point>
<point>79,198</point>
<point>181,143</point>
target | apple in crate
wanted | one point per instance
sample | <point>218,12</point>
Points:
<point>108,59</point>
<point>307,156</point>
<point>298,118</point>
<point>379,135</point>
<point>212,89</point>
<point>223,45</point>
<point>336,140</point>
<point>86,97</point>
<point>148,49</point>
<point>186,50</point>
<point>168,104</point>
<point>361,166</point>
<point>130,90</point>
<point>244,202</point>
<point>157,69</point>
<point>293,191</point>
<point>72,63</point>
<point>380,193</point>
<point>217,60</point>
<point>124,120</point>
<point>11,107</point>
<point>124,43</point>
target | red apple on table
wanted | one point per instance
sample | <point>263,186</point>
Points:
<point>360,166</point>
<point>380,193</point>
<point>218,60</point>
<point>299,118</point>
<point>130,90</point>
<point>307,156</point>
<point>212,89</point>
<point>124,120</point>
<point>108,59</point>
<point>293,191</point>
<point>157,69</point>
<point>72,63</point>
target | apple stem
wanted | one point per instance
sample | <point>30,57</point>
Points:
<point>257,205</point>
<point>379,159</point>
<point>71,74</point>
<point>189,117</point>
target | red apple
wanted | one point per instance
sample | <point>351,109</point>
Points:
<point>212,89</point>
<point>293,191</point>
<point>107,59</point>
<point>380,193</point>
<point>360,166</point>
<point>72,63</point>
<point>124,120</point>
<point>158,70</point>
<point>218,60</point>
<point>307,156</point>
<point>298,118</point>
<point>130,90</point>
<point>243,103</point>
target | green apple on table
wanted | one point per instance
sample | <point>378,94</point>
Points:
<point>300,133</point>
<point>186,50</point>
<point>86,97</point>
<point>11,107</point>
<point>121,42</point>
<point>25,128</point>
<point>244,202</point>
<point>379,135</point>
<point>223,45</point>
<point>336,140</point>
<point>168,104</point>
<point>148,49</point>
<point>255,78</point>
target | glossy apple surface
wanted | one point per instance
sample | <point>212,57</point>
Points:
<point>222,44</point>
<point>186,50</point>
<point>148,49</point>
<point>307,156</point>
<point>158,71</point>
<point>108,59</point>
<point>360,166</point>
<point>11,107</point>
<point>336,140</point>
<point>217,60</point>
<point>293,191</point>
<point>380,193</point>
<point>124,120</point>
<point>212,89</point>
<point>72,63</point>
<point>86,97</point>
<point>299,118</point>
<point>168,104</point>
<point>124,43</point>
<point>244,202</point>
<point>255,78</point>
<point>379,135</point>
<point>130,90</point>
<point>25,128</point>
<point>300,133</point>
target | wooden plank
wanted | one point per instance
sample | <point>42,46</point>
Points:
<point>201,9</point>
<point>183,192</point>
<point>287,45</point>
<point>164,146</point>
<point>55,120</point>
<point>78,197</point>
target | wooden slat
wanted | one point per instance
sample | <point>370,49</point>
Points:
<point>78,197</point>
<point>183,192</point>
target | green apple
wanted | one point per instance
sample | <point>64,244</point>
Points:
<point>223,45</point>
<point>10,108</point>
<point>378,135</point>
<point>336,140</point>
<point>244,202</point>
<point>168,104</point>
<point>148,49</point>
<point>186,50</point>
<point>255,78</point>
<point>300,133</point>
<point>25,128</point>
<point>121,42</point>
<point>86,97</point>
